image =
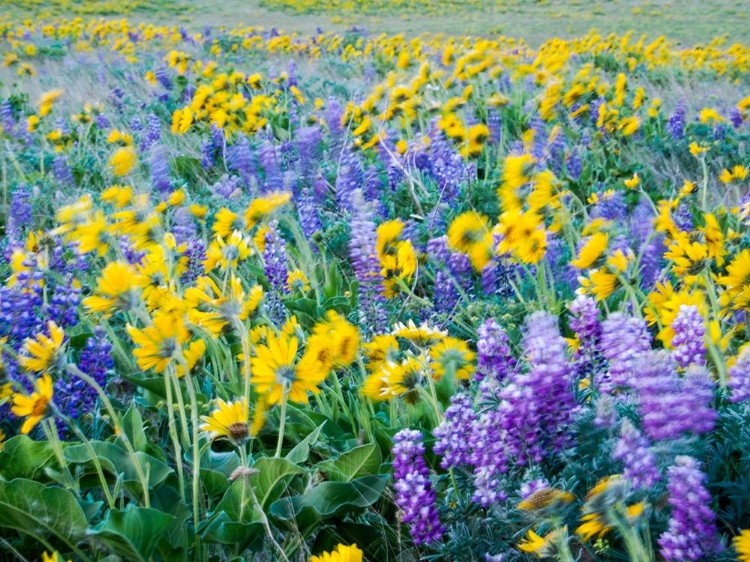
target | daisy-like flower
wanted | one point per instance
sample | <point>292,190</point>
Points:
<point>230,420</point>
<point>333,343</point>
<point>227,253</point>
<point>33,407</point>
<point>737,282</point>
<point>276,371</point>
<point>341,553</point>
<point>263,207</point>
<point>297,281</point>
<point>116,290</point>
<point>742,545</point>
<point>42,352</point>
<point>421,336</point>
<point>452,355</point>
<point>123,161</point>
<point>591,251</point>
<point>158,344</point>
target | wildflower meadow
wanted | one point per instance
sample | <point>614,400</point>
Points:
<point>345,296</point>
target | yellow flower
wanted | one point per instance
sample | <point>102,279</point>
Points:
<point>297,281</point>
<point>261,208</point>
<point>123,161</point>
<point>43,352</point>
<point>341,553</point>
<point>737,281</point>
<point>470,234</point>
<point>708,115</point>
<point>158,344</point>
<point>697,150</point>
<point>633,182</point>
<point>545,499</point>
<point>116,289</point>
<point>2,439</point>
<point>333,343</point>
<point>422,336</point>
<point>34,406</point>
<point>388,235</point>
<point>230,420</point>
<point>381,349</point>
<point>452,356</point>
<point>591,251</point>
<point>742,545</point>
<point>54,557</point>
<point>226,222</point>
<point>275,371</point>
<point>47,101</point>
<point>227,254</point>
<point>533,543</point>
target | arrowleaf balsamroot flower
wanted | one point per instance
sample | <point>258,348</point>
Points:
<point>229,419</point>
<point>158,344</point>
<point>117,289</point>
<point>42,353</point>
<point>742,546</point>
<point>452,355</point>
<point>276,371</point>
<point>123,161</point>
<point>341,553</point>
<point>33,407</point>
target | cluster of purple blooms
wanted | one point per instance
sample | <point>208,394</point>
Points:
<point>415,495</point>
<point>692,534</point>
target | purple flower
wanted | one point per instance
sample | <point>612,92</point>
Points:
<point>634,451</point>
<point>453,432</point>
<point>671,406</point>
<point>692,532</point>
<point>366,265</point>
<point>585,323</point>
<point>676,122</point>
<point>690,347</point>
<point>415,495</point>
<point>62,172</point>
<point>159,163</point>
<point>494,357</point>
<point>240,159</point>
<point>739,377</point>
<point>624,339</point>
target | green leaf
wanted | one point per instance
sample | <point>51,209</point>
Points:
<point>301,451</point>
<point>133,426</point>
<point>268,484</point>
<point>326,500</point>
<point>360,461</point>
<point>242,536</point>
<point>134,532</point>
<point>116,461</point>
<point>23,457</point>
<point>173,543</point>
<point>41,511</point>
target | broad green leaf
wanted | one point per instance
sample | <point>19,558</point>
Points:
<point>133,426</point>
<point>242,536</point>
<point>326,500</point>
<point>173,543</point>
<point>360,461</point>
<point>134,532</point>
<point>41,511</point>
<point>301,451</point>
<point>23,457</point>
<point>268,483</point>
<point>116,461</point>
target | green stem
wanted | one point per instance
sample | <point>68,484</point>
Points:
<point>120,429</point>
<point>282,421</point>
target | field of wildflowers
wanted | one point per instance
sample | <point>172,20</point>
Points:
<point>342,297</point>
